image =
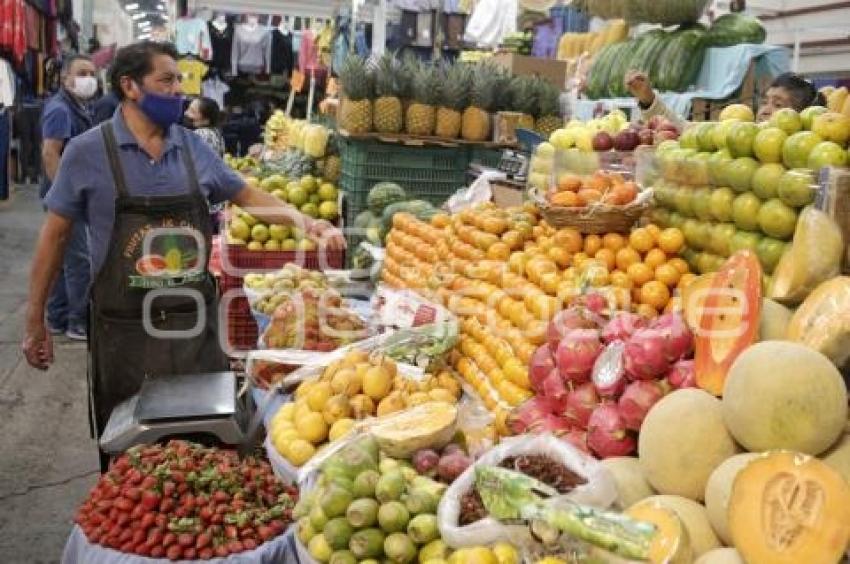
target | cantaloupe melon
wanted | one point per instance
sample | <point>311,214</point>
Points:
<point>671,544</point>
<point>789,508</point>
<point>693,516</point>
<point>721,556</point>
<point>774,321</point>
<point>682,440</point>
<point>628,477</point>
<point>428,425</point>
<point>719,490</point>
<point>838,456</point>
<point>783,395</point>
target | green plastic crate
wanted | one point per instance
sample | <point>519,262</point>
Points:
<point>485,157</point>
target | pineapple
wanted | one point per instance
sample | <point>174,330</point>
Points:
<point>454,93</point>
<point>332,168</point>
<point>356,82</point>
<point>388,117</point>
<point>524,96</point>
<point>421,114</point>
<point>476,118</point>
<point>550,110</point>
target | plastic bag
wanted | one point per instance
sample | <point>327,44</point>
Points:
<point>477,193</point>
<point>598,491</point>
<point>475,423</point>
<point>403,309</point>
<point>814,257</point>
<point>822,322</point>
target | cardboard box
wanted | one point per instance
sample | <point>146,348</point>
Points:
<point>553,71</point>
<point>507,194</point>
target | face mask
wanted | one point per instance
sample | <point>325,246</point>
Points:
<point>84,87</point>
<point>163,110</point>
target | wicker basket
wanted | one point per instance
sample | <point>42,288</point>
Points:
<point>596,219</point>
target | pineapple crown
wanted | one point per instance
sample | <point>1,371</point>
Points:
<point>388,76</point>
<point>355,78</point>
<point>426,84</point>
<point>525,95</point>
<point>486,77</point>
<point>454,91</point>
<point>550,100</point>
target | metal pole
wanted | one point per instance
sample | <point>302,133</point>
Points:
<point>795,63</point>
<point>86,24</point>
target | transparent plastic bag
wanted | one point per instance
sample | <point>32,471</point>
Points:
<point>478,192</point>
<point>599,490</point>
<point>822,322</point>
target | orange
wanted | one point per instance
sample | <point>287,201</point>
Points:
<point>667,274</point>
<point>561,256</point>
<point>549,283</point>
<point>655,293</point>
<point>569,239</point>
<point>654,230</point>
<point>569,182</point>
<point>680,264</point>
<point>641,240</point>
<point>655,258</point>
<point>566,199</point>
<point>640,273</point>
<point>592,243</point>
<point>587,196</point>
<point>671,240</point>
<point>513,239</point>
<point>579,259</point>
<point>499,251</point>
<point>620,279</point>
<point>613,241</point>
<point>607,256</point>
<point>626,257</point>
<point>597,276</point>
<point>686,280</point>
<point>646,311</point>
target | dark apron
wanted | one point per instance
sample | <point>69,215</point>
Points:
<point>122,351</point>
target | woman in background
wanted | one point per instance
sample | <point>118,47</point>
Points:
<point>202,116</point>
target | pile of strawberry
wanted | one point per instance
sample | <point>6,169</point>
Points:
<point>185,501</point>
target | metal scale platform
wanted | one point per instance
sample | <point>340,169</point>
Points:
<point>185,405</point>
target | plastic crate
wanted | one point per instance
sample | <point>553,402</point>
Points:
<point>242,331</point>
<point>571,20</point>
<point>485,157</point>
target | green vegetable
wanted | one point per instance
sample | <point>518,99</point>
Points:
<point>399,548</point>
<point>362,513</point>
<point>338,532</point>
<point>390,486</point>
<point>364,484</point>
<point>393,517</point>
<point>335,501</point>
<point>423,528</point>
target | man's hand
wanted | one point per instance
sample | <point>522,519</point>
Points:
<point>639,86</point>
<point>326,235</point>
<point>37,346</point>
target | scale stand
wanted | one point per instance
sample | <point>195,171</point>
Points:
<point>173,406</point>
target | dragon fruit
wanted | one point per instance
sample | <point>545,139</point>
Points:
<point>581,401</point>
<point>554,386</point>
<point>637,400</point>
<point>595,302</point>
<point>609,374</point>
<point>577,353</point>
<point>679,342</point>
<point>578,439</point>
<point>682,375</point>
<point>566,320</point>
<point>644,355</point>
<point>531,413</point>
<point>622,326</point>
<point>541,364</point>
<point>552,424</point>
<point>607,434</point>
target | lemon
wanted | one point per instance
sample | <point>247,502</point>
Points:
<point>287,411</point>
<point>299,451</point>
<point>318,395</point>
<point>286,435</point>
<point>312,427</point>
<point>474,555</point>
<point>340,428</point>
<point>505,553</point>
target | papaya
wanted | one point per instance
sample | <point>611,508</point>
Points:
<point>693,299</point>
<point>692,515</point>
<point>822,322</point>
<point>671,543</point>
<point>789,508</point>
<point>729,322</point>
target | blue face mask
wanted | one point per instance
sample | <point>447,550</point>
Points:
<point>161,109</point>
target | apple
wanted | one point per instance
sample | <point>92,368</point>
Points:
<point>766,180</point>
<point>795,151</point>
<point>654,122</point>
<point>288,245</point>
<point>689,139</point>
<point>721,238</point>
<point>721,203</point>
<point>260,233</point>
<point>744,240</point>
<point>272,245</point>
<point>740,138</point>
<point>777,219</point>
<point>705,137</point>
<point>768,144</point>
<point>787,119</point>
<point>626,140</point>
<point>740,112</point>
<point>683,201</point>
<point>661,136</point>
<point>254,246</point>
<point>693,233</point>
<point>745,211</point>
<point>603,141</point>
<point>832,126</point>
<point>769,251</point>
<point>827,153</point>
<point>701,203</point>
<point>739,173</point>
<point>808,115</point>
<point>797,187</point>
<point>646,137</point>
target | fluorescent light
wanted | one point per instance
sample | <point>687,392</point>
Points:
<point>138,16</point>
<point>144,36</point>
<point>144,25</point>
<point>161,7</point>
<point>133,6</point>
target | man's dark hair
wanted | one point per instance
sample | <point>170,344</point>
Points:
<point>136,61</point>
<point>209,110</point>
<point>803,93</point>
<point>69,61</point>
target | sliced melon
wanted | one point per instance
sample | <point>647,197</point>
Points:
<point>721,556</point>
<point>730,320</point>
<point>682,440</point>
<point>789,508</point>
<point>692,515</point>
<point>428,425</point>
<point>719,489</point>
<point>671,544</point>
<point>774,321</point>
<point>822,322</point>
<point>783,395</point>
<point>838,457</point>
<point>628,477</point>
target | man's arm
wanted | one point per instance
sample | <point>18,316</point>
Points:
<point>51,153</point>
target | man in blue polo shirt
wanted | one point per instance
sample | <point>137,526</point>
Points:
<point>65,116</point>
<point>143,185</point>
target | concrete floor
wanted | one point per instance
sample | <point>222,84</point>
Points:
<point>47,460</point>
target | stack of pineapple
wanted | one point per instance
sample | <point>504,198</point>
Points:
<point>447,101</point>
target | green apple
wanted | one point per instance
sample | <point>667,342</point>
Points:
<point>328,192</point>
<point>705,136</point>
<point>795,151</point>
<point>788,120</point>
<point>827,153</point>
<point>682,200</point>
<point>739,173</point>
<point>272,245</point>
<point>721,131</point>
<point>255,246</point>
<point>832,126</point>
<point>741,112</point>
<point>260,233</point>
<point>280,195</point>
<point>689,139</point>
<point>701,203</point>
<point>693,234</point>
<point>278,232</point>
<point>328,210</point>
<point>744,240</point>
<point>721,238</point>
<point>768,144</point>
<point>239,229</point>
<point>306,245</point>
<point>766,180</point>
<point>297,196</point>
<point>777,219</point>
<point>698,168</point>
<point>808,115</point>
<point>310,209</point>
<point>745,210</point>
<point>676,220</point>
<point>740,139</point>
<point>797,187</point>
<point>769,251</point>
<point>288,245</point>
<point>721,203</point>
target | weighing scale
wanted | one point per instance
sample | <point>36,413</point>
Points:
<point>185,405</point>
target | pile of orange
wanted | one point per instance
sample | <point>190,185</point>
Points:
<point>611,188</point>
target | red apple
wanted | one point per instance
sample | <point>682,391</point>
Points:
<point>626,140</point>
<point>645,136</point>
<point>603,141</point>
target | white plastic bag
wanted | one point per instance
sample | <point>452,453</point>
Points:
<point>599,490</point>
<point>477,193</point>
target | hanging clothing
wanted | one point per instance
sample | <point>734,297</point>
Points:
<point>13,22</point>
<point>222,46</point>
<point>323,44</point>
<point>193,72</point>
<point>491,21</point>
<point>361,46</point>
<point>340,51</point>
<point>308,55</point>
<point>215,88</point>
<point>191,37</point>
<point>7,84</point>
<point>282,57</point>
<point>250,49</point>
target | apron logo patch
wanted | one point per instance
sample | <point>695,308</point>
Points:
<point>167,256</point>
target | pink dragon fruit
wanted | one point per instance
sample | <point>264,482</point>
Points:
<point>577,353</point>
<point>682,375</point>
<point>609,374</point>
<point>523,417</point>
<point>581,401</point>
<point>578,439</point>
<point>622,326</point>
<point>679,342</point>
<point>644,355</point>
<point>595,302</point>
<point>554,387</point>
<point>637,400</point>
<point>541,364</point>
<point>552,424</point>
<point>575,317</point>
<point>607,434</point>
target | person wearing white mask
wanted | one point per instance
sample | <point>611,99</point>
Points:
<point>65,116</point>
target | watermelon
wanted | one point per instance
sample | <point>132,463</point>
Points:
<point>383,194</point>
<point>732,29</point>
<point>363,219</point>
